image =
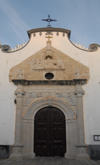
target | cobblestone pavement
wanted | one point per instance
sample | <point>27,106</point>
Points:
<point>46,161</point>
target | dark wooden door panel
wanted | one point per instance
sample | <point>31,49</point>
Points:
<point>49,134</point>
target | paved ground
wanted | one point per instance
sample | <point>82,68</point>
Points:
<point>47,161</point>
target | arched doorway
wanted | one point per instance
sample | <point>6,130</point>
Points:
<point>49,132</point>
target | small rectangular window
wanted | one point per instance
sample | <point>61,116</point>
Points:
<point>96,137</point>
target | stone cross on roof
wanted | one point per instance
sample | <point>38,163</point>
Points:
<point>48,37</point>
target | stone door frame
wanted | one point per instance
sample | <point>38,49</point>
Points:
<point>29,116</point>
<point>24,139</point>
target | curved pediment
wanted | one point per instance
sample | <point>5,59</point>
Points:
<point>49,60</point>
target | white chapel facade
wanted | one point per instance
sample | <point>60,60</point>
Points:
<point>49,96</point>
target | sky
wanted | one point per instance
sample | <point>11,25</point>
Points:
<point>82,17</point>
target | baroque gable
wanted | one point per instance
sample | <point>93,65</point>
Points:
<point>49,60</point>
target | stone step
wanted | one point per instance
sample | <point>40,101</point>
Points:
<point>47,161</point>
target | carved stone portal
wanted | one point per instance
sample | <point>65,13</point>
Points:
<point>30,100</point>
<point>35,92</point>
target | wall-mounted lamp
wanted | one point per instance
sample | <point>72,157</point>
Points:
<point>96,137</point>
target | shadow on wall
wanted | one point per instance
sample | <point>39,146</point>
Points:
<point>4,151</point>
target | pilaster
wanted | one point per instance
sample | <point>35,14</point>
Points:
<point>17,148</point>
<point>81,146</point>
<point>71,137</point>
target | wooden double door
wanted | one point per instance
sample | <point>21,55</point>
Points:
<point>49,132</point>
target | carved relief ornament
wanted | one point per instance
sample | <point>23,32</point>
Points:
<point>49,60</point>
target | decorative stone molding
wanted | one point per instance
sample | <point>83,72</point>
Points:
<point>49,101</point>
<point>93,47</point>
<point>20,93</point>
<point>51,82</point>
<point>18,47</point>
<point>65,93</point>
<point>48,33</point>
<point>5,48</point>
<point>47,60</point>
<point>80,46</point>
<point>49,30</point>
<point>79,93</point>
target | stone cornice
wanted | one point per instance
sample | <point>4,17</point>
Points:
<point>51,82</point>
<point>49,29</point>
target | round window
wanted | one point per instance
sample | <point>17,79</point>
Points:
<point>49,76</point>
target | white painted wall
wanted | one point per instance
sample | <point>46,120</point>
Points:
<point>92,89</point>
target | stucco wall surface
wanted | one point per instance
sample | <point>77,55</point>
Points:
<point>92,88</point>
